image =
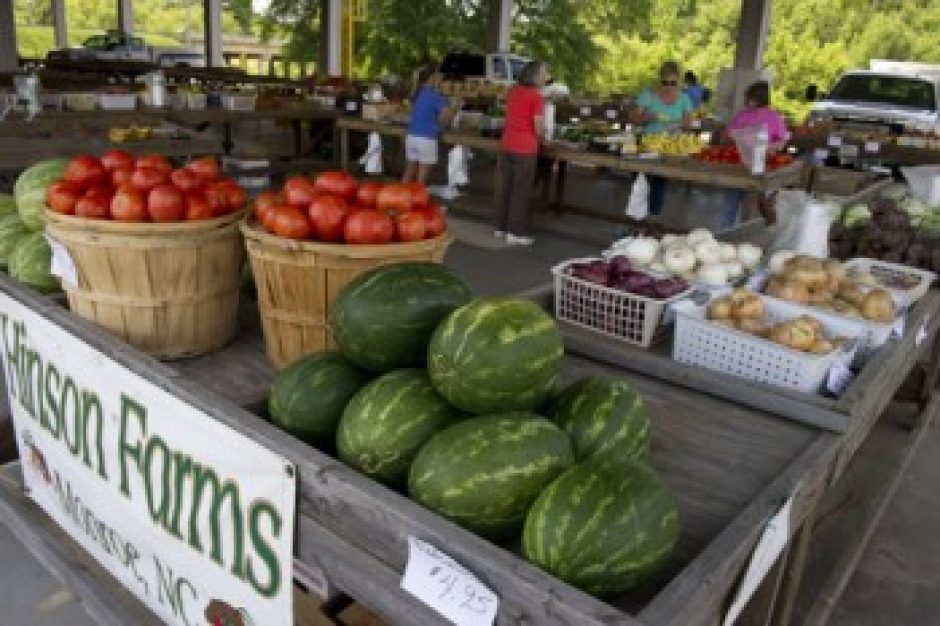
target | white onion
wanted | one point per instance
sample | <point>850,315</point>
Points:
<point>713,275</point>
<point>728,252</point>
<point>678,259</point>
<point>642,250</point>
<point>708,253</point>
<point>749,255</point>
<point>700,235</point>
<point>734,269</point>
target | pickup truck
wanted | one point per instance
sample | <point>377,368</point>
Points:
<point>498,68</point>
<point>117,46</point>
<point>871,98</point>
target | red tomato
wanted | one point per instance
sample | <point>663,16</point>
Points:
<point>61,197</point>
<point>206,168</point>
<point>185,180</point>
<point>155,161</point>
<point>121,176</point>
<point>95,207</point>
<point>235,196</point>
<point>327,215</point>
<point>394,198</point>
<point>129,205</point>
<point>288,221</point>
<point>197,207</point>
<point>85,171</point>
<point>419,194</point>
<point>338,183</point>
<point>411,226</point>
<point>217,197</point>
<point>265,201</point>
<point>166,203</point>
<point>146,178</point>
<point>299,191</point>
<point>433,219</point>
<point>113,159</point>
<point>365,195</point>
<point>368,226</point>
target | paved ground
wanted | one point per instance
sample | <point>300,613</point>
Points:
<point>897,583</point>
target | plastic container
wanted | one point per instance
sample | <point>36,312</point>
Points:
<point>904,298</point>
<point>623,316</point>
<point>708,344</point>
<point>925,183</point>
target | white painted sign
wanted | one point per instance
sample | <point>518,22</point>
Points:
<point>771,544</point>
<point>447,587</point>
<point>193,518</point>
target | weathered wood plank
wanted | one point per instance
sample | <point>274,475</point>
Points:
<point>102,596</point>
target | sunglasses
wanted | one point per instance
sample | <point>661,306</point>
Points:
<point>668,83</point>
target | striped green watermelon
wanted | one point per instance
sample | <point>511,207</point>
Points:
<point>12,231</point>
<point>496,354</point>
<point>604,418</point>
<point>29,191</point>
<point>602,529</point>
<point>383,319</point>
<point>484,473</point>
<point>31,263</point>
<point>308,397</point>
<point>387,422</point>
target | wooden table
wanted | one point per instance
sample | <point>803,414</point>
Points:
<point>888,153</point>
<point>676,168</point>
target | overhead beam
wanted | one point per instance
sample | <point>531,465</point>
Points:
<point>59,25</point>
<point>8,54</point>
<point>125,14</point>
<point>334,38</point>
<point>212,23</point>
<point>752,34</point>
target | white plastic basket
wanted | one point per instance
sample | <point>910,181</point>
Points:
<point>624,316</point>
<point>893,271</point>
<point>708,344</point>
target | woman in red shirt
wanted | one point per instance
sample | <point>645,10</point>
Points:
<point>519,149</point>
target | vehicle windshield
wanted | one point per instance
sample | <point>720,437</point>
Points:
<point>896,90</point>
<point>463,64</point>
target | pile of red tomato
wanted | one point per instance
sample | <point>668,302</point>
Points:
<point>729,154</point>
<point>333,207</point>
<point>120,187</point>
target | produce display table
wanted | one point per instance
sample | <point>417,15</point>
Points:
<point>676,168</point>
<point>889,153</point>
<point>356,530</point>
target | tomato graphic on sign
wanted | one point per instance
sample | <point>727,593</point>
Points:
<point>35,458</point>
<point>220,613</point>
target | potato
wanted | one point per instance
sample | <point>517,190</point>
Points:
<point>821,346</point>
<point>794,292</point>
<point>878,306</point>
<point>720,308</point>
<point>794,334</point>
<point>835,269</point>
<point>813,323</point>
<point>753,326</point>
<point>750,307</point>
<point>851,293</point>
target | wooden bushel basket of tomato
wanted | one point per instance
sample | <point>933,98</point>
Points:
<point>157,251</point>
<point>308,240</point>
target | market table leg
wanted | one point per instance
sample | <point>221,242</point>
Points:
<point>227,142</point>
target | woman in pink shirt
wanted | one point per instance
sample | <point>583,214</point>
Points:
<point>757,112</point>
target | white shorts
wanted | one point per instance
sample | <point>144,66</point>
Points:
<point>421,149</point>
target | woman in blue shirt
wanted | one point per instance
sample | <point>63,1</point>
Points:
<point>428,109</point>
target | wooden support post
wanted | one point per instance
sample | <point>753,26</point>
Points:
<point>9,59</point>
<point>59,24</point>
<point>212,23</point>
<point>125,16</point>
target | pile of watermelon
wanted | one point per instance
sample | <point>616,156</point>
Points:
<point>454,400</point>
<point>118,186</point>
<point>334,208</point>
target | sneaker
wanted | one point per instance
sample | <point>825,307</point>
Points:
<point>519,240</point>
<point>499,234</point>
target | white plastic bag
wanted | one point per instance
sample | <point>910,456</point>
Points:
<point>372,159</point>
<point>638,206</point>
<point>802,223</point>
<point>924,182</point>
<point>457,166</point>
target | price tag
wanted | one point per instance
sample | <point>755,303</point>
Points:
<point>771,543</point>
<point>62,264</point>
<point>921,334</point>
<point>611,114</point>
<point>897,329</point>
<point>352,105</point>
<point>839,378</point>
<point>848,151</point>
<point>820,155</point>
<point>835,141</point>
<point>873,147</point>
<point>447,587</point>
<point>585,111</point>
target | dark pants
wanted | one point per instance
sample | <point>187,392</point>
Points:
<point>515,178</point>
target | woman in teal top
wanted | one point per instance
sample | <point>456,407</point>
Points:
<point>662,109</point>
<point>665,108</point>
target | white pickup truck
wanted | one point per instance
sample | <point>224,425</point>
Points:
<point>498,68</point>
<point>117,46</point>
<point>882,97</point>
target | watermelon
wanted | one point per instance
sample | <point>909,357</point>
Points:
<point>29,191</point>
<point>485,472</point>
<point>602,529</point>
<point>31,262</point>
<point>496,354</point>
<point>7,204</point>
<point>384,318</point>
<point>604,418</point>
<point>387,422</point>
<point>12,231</point>
<point>308,397</point>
